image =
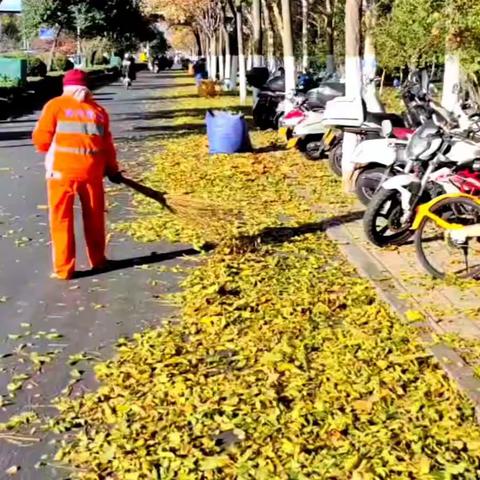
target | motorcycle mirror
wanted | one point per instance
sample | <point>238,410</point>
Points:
<point>387,128</point>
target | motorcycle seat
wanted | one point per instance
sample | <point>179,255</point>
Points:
<point>315,105</point>
<point>378,118</point>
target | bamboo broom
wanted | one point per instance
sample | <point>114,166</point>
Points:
<point>194,210</point>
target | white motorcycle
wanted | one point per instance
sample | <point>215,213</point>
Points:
<point>444,142</point>
<point>376,160</point>
<point>301,125</point>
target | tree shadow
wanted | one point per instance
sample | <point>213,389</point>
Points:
<point>157,86</point>
<point>272,148</point>
<point>187,127</point>
<point>280,235</point>
<point>104,94</point>
<point>16,135</point>
<point>143,133</point>
<point>30,145</point>
<point>170,74</point>
<point>127,263</point>
<point>175,113</point>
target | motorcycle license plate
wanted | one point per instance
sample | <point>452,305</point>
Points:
<point>328,137</point>
<point>292,143</point>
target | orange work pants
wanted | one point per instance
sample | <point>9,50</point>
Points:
<point>61,198</point>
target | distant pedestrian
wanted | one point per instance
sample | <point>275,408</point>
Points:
<point>74,133</point>
<point>128,69</point>
<point>200,71</point>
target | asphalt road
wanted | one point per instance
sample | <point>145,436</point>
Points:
<point>86,315</point>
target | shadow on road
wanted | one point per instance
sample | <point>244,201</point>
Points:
<point>183,112</point>
<point>115,265</point>
<point>279,235</point>
<point>15,135</point>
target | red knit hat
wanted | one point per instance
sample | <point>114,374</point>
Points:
<point>77,78</point>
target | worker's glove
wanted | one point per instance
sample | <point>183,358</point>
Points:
<point>116,177</point>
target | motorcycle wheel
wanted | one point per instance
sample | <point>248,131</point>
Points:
<point>263,116</point>
<point>381,222</point>
<point>312,147</point>
<point>335,159</point>
<point>368,182</point>
<point>438,254</point>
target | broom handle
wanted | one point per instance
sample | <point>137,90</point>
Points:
<point>147,191</point>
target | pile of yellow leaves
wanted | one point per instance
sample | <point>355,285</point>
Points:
<point>285,364</point>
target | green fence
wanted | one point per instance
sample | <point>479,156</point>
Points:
<point>14,69</point>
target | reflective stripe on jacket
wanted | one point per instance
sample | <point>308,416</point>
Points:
<point>76,138</point>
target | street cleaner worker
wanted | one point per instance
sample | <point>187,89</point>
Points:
<point>74,134</point>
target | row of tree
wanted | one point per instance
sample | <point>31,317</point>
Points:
<point>120,23</point>
<point>397,33</point>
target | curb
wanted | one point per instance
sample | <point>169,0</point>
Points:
<point>390,290</point>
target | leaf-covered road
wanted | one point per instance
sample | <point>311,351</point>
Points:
<point>43,323</point>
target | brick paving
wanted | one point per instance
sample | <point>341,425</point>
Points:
<point>401,281</point>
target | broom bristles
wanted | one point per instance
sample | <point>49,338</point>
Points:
<point>199,211</point>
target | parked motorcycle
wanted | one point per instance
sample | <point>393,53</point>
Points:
<point>446,141</point>
<point>272,103</point>
<point>366,125</point>
<point>271,94</point>
<point>301,125</point>
<point>374,161</point>
<point>352,116</point>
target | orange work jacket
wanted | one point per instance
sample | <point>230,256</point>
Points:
<point>76,138</point>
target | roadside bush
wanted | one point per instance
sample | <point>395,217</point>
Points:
<point>6,82</point>
<point>62,63</point>
<point>36,67</point>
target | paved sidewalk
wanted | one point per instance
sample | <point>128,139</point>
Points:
<point>401,281</point>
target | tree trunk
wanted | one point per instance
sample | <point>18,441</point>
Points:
<point>203,46</point>
<point>221,57</point>
<point>382,81</point>
<point>208,55</point>
<point>305,24</point>
<point>370,65</point>
<point>52,50</point>
<point>213,57</point>
<point>288,52</point>
<point>233,36</point>
<point>451,81</point>
<point>257,42</point>
<point>353,81</point>
<point>241,53</point>
<point>330,36</point>
<point>257,34</point>
<point>270,37</point>
<point>228,58</point>
<point>198,41</point>
<point>249,55</point>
